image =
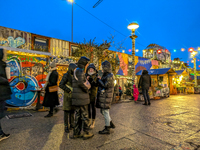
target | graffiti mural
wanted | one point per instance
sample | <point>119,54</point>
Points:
<point>26,75</point>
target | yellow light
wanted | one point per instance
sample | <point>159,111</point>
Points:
<point>123,51</point>
<point>137,50</point>
<point>70,1</point>
<point>144,51</point>
<point>182,49</point>
<point>151,51</point>
<point>198,48</point>
<point>133,26</point>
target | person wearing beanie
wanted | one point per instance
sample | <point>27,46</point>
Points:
<point>66,85</point>
<point>105,95</point>
<point>81,99</point>
<point>92,76</point>
<point>5,93</point>
<point>51,98</point>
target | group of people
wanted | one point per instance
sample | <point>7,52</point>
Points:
<point>84,91</point>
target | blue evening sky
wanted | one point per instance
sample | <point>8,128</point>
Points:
<point>174,24</point>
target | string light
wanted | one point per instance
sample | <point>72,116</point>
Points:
<point>174,50</point>
<point>191,49</point>
<point>192,61</point>
<point>198,48</point>
<point>137,50</point>
<point>123,51</point>
<point>129,50</point>
<point>182,49</point>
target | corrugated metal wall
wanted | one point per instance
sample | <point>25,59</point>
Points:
<point>15,38</point>
<point>59,48</point>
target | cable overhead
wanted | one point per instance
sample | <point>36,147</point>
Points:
<point>97,3</point>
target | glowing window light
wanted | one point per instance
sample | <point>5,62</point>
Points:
<point>182,49</point>
<point>137,50</point>
<point>174,50</point>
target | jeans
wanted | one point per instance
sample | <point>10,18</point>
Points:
<point>106,114</point>
<point>69,118</point>
<point>2,107</point>
<point>146,95</point>
<point>81,120</point>
<point>92,110</point>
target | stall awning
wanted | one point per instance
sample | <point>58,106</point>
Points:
<point>26,51</point>
<point>158,71</point>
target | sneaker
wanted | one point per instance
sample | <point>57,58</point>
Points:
<point>87,135</point>
<point>4,136</point>
<point>49,115</point>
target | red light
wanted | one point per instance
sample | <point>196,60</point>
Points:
<point>198,59</point>
<point>129,50</point>
<point>199,66</point>
<point>166,50</point>
<point>191,49</point>
<point>159,51</point>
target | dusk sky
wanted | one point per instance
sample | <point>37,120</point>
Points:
<point>174,24</point>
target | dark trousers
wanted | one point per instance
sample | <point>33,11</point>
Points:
<point>146,95</point>
<point>92,110</point>
<point>2,107</point>
<point>69,118</point>
<point>81,119</point>
<point>51,110</point>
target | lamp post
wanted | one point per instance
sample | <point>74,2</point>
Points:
<point>133,26</point>
<point>72,1</point>
<point>193,54</point>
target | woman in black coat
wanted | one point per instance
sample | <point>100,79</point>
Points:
<point>51,98</point>
<point>92,75</point>
<point>105,95</point>
<point>5,93</point>
<point>66,85</point>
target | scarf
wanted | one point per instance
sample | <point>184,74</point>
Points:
<point>47,78</point>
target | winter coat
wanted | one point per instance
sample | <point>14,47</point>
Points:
<point>80,94</point>
<point>145,80</point>
<point>135,93</point>
<point>106,87</point>
<point>66,85</point>
<point>93,81</point>
<point>5,91</point>
<point>51,99</point>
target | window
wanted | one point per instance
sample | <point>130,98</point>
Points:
<point>40,43</point>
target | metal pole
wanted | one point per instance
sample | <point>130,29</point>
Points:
<point>195,75</point>
<point>72,21</point>
<point>133,37</point>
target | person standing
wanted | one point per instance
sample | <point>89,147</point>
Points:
<point>66,85</point>
<point>145,83</point>
<point>92,75</point>
<point>5,93</point>
<point>105,94</point>
<point>51,98</point>
<point>81,99</point>
<point>120,92</point>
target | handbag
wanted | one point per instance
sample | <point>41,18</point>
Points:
<point>53,88</point>
<point>86,83</point>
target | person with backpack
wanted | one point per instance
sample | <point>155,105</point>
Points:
<point>105,95</point>
<point>145,83</point>
<point>66,85</point>
<point>5,93</point>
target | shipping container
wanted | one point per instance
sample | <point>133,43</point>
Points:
<point>15,38</point>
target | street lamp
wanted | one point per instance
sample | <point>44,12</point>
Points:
<point>193,54</point>
<point>72,1</point>
<point>133,26</point>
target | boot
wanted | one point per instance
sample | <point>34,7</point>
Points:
<point>4,136</point>
<point>87,135</point>
<point>144,104</point>
<point>76,136</point>
<point>93,123</point>
<point>105,131</point>
<point>90,122</point>
<point>149,104</point>
<point>112,125</point>
<point>66,129</point>
<point>49,115</point>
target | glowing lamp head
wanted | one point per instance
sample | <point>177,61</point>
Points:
<point>159,51</point>
<point>70,1</point>
<point>191,49</point>
<point>194,53</point>
<point>133,26</point>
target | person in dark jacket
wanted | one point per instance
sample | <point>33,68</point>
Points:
<point>66,85</point>
<point>5,93</point>
<point>51,98</point>
<point>145,83</point>
<point>105,94</point>
<point>81,99</point>
<point>92,76</point>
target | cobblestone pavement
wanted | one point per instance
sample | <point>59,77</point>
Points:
<point>172,123</point>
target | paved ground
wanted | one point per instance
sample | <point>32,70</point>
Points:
<point>172,123</point>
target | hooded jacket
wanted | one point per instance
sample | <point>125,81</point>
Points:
<point>80,94</point>
<point>93,82</point>
<point>104,98</point>
<point>5,91</point>
<point>65,84</point>
<point>145,80</point>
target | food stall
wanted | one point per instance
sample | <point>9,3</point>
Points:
<point>180,80</point>
<point>162,82</point>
